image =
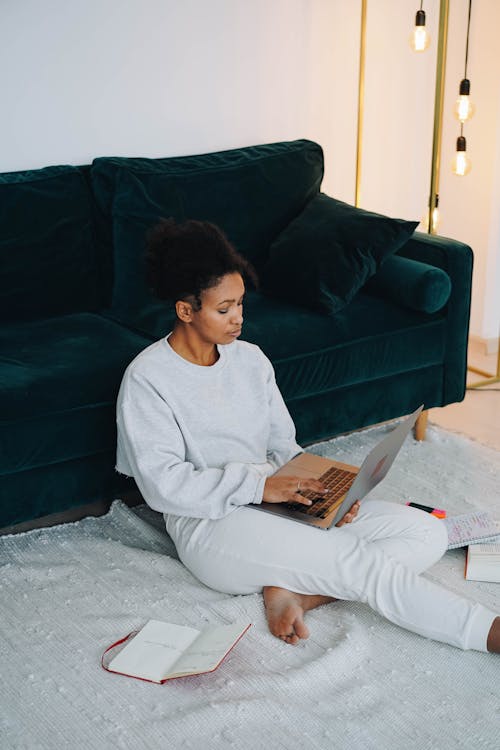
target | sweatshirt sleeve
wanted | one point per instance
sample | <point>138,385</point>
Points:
<point>153,449</point>
<point>282,445</point>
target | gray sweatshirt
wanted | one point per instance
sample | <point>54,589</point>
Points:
<point>201,441</point>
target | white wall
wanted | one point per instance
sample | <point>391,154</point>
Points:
<point>148,77</point>
<point>84,78</point>
<point>399,106</point>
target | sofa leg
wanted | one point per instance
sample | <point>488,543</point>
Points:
<point>421,425</point>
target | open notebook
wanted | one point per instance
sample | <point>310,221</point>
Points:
<point>161,651</point>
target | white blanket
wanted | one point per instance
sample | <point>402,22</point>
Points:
<point>68,592</point>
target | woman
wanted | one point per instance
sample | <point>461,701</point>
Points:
<point>202,428</point>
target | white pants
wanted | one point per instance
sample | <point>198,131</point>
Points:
<point>376,559</point>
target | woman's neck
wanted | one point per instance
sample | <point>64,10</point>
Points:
<point>195,351</point>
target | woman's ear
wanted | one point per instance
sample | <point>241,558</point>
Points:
<point>184,311</point>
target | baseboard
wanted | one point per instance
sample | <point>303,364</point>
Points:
<point>485,346</point>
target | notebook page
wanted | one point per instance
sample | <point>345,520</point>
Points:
<point>209,648</point>
<point>469,527</point>
<point>154,650</point>
<point>487,550</point>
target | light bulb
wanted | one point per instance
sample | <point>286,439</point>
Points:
<point>461,164</point>
<point>432,229</point>
<point>464,108</point>
<point>420,38</point>
<point>435,220</point>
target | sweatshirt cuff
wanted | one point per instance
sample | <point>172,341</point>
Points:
<point>259,491</point>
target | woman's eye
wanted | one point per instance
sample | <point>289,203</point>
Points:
<point>223,312</point>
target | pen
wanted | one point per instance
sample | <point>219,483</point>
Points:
<point>438,512</point>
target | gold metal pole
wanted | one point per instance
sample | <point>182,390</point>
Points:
<point>361,101</point>
<point>444,7</point>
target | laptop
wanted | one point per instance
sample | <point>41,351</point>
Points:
<point>347,483</point>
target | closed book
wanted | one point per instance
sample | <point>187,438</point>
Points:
<point>162,651</point>
<point>483,563</point>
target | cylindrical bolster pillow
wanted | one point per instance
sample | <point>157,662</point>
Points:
<point>412,284</point>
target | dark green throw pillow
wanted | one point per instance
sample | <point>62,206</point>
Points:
<point>328,252</point>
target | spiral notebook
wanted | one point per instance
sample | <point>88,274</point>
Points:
<point>472,528</point>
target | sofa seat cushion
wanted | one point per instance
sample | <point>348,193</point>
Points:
<point>371,339</point>
<point>251,193</point>
<point>49,255</point>
<point>59,379</point>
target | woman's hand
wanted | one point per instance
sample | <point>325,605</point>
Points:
<point>288,489</point>
<point>350,515</point>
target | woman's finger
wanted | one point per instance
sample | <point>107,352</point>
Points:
<point>308,485</point>
<point>298,498</point>
<point>350,515</point>
<point>314,485</point>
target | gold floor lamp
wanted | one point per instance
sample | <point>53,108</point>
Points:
<point>438,105</point>
<point>444,7</point>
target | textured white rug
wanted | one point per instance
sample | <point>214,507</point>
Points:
<point>359,682</point>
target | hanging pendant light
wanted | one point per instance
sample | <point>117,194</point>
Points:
<point>464,109</point>
<point>420,38</point>
<point>461,163</point>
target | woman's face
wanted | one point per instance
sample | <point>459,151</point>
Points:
<point>221,316</point>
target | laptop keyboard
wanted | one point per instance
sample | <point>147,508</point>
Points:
<point>338,481</point>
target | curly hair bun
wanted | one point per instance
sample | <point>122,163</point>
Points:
<point>184,259</point>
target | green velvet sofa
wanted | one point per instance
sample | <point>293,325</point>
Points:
<point>75,309</point>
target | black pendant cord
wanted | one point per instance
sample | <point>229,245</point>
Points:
<point>467,42</point>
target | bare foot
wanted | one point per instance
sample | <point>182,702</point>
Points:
<point>493,643</point>
<point>285,612</point>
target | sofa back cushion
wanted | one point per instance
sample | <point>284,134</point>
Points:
<point>251,193</point>
<point>48,253</point>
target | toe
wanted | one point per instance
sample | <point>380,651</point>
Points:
<point>301,628</point>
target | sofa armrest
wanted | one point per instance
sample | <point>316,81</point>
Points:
<point>456,259</point>
<point>412,284</point>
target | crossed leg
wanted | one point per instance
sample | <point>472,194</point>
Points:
<point>376,560</point>
<point>285,609</point>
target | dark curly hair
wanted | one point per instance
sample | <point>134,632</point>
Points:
<point>184,259</point>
